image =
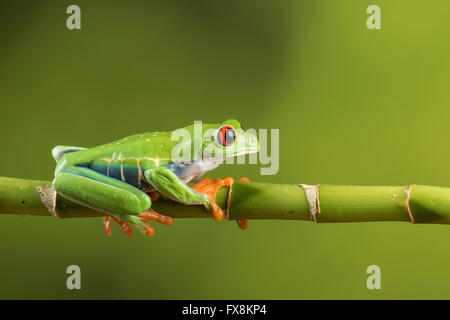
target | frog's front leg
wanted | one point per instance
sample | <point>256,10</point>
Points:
<point>168,184</point>
<point>118,199</point>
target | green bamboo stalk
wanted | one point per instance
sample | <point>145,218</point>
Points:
<point>322,203</point>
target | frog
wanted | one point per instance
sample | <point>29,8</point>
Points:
<point>121,179</point>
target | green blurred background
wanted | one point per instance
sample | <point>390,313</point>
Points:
<point>354,106</point>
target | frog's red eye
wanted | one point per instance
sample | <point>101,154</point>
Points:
<point>226,136</point>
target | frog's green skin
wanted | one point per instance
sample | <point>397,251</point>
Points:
<point>114,178</point>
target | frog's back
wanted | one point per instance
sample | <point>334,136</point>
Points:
<point>125,159</point>
<point>139,145</point>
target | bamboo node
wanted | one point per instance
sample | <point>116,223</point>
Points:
<point>227,209</point>
<point>408,208</point>
<point>48,198</point>
<point>312,196</point>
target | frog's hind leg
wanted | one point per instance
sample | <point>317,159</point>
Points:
<point>97,191</point>
<point>92,189</point>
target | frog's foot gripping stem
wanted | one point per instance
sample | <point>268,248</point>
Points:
<point>123,225</point>
<point>209,188</point>
<point>151,215</point>
<point>140,221</point>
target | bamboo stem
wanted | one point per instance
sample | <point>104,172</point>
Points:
<point>322,203</point>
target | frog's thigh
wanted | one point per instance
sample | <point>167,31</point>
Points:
<point>168,183</point>
<point>104,193</point>
<point>92,174</point>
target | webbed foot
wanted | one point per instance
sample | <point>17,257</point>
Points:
<point>209,188</point>
<point>140,221</point>
<point>123,225</point>
<point>151,215</point>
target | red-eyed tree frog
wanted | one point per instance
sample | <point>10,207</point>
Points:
<point>121,178</point>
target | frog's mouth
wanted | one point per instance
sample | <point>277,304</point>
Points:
<point>241,153</point>
<point>221,157</point>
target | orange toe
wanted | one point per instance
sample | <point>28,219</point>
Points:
<point>107,226</point>
<point>152,215</point>
<point>154,196</point>
<point>149,231</point>
<point>124,226</point>
<point>243,224</point>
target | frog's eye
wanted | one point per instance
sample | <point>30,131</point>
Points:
<point>226,136</point>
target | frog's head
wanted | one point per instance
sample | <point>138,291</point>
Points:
<point>227,139</point>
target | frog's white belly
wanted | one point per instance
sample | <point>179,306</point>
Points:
<point>189,171</point>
